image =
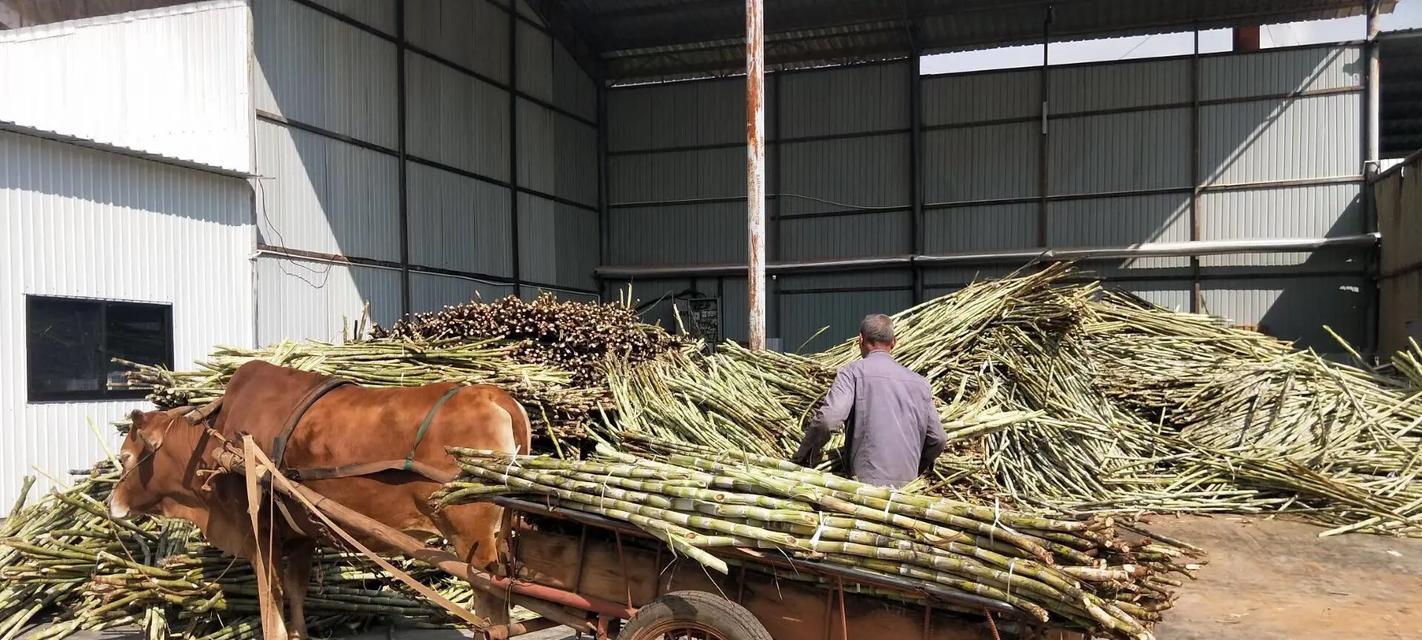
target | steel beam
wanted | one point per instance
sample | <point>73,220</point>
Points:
<point>755,171</point>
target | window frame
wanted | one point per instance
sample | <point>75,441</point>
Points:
<point>35,395</point>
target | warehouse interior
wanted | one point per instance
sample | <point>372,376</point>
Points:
<point>372,158</point>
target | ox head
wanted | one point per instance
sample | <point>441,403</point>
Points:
<point>152,472</point>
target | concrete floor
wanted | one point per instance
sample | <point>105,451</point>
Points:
<point>1265,580</point>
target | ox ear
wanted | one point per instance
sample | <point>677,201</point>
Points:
<point>151,438</point>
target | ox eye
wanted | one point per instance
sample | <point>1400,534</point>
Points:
<point>125,458</point>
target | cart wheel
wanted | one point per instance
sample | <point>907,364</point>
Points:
<point>693,615</point>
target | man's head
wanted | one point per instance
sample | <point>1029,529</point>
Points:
<point>876,333</point>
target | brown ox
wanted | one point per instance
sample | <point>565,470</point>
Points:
<point>167,462</point>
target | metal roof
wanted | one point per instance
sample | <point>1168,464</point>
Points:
<point>648,40</point>
<point>1401,109</point>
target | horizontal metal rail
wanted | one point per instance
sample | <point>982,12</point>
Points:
<point>1009,256</point>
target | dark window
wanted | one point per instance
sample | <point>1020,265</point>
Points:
<point>71,344</point>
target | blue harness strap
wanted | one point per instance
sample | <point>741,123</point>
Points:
<point>425,426</point>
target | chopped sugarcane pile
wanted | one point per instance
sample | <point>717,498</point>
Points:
<point>65,563</point>
<point>554,403</point>
<point>1070,573</point>
<point>572,336</point>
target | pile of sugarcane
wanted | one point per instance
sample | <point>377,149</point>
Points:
<point>558,407</point>
<point>64,563</point>
<point>698,500</point>
<point>1064,398</point>
<point>572,336</point>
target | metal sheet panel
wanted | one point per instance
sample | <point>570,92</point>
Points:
<point>1296,212</point>
<point>1119,85</point>
<point>843,173</point>
<point>379,14</point>
<point>556,243</point>
<point>573,88</point>
<point>838,313</point>
<point>1315,137</point>
<point>458,223</point>
<point>975,97</point>
<point>530,292</point>
<point>680,114</point>
<point>677,175</point>
<point>1009,226</point>
<point>324,195</point>
<point>945,280</point>
<point>456,119</point>
<point>432,292</point>
<point>886,233</point>
<point>1117,222</point>
<point>84,223</point>
<point>556,154</point>
<point>1296,308</point>
<point>978,163</point>
<point>317,70</point>
<point>683,234</point>
<point>298,299</point>
<point>1171,294</point>
<point>1119,152</point>
<point>523,10</point>
<point>1280,72</point>
<point>535,62</point>
<point>845,100</point>
<point>474,34</point>
<point>173,82</point>
<point>875,279</point>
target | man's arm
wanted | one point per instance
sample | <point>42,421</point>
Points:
<point>828,419</point>
<point>933,437</point>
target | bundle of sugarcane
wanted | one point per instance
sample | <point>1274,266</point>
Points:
<point>557,405</point>
<point>65,563</point>
<point>572,336</point>
<point>1072,573</point>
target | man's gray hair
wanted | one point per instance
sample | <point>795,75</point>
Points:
<point>877,328</point>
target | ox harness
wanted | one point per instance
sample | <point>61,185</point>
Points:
<point>279,443</point>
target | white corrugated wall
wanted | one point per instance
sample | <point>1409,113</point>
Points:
<point>85,223</point>
<point>173,82</point>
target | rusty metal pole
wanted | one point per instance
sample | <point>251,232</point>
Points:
<point>755,170</point>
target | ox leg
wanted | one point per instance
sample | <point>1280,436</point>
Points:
<point>296,579</point>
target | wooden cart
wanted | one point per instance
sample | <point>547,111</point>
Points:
<point>608,579</point>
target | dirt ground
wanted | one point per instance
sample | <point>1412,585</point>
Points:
<point>1266,580</point>
<point>1277,580</point>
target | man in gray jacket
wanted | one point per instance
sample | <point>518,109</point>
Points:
<point>894,433</point>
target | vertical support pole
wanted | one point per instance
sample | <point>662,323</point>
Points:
<point>400,100</point>
<point>1042,149</point>
<point>1372,108</point>
<point>1196,302</point>
<point>775,240</point>
<point>604,230</point>
<point>755,171</point>
<point>513,148</point>
<point>916,167</point>
<point>1372,101</point>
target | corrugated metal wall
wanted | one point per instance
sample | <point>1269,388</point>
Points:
<point>329,142</point>
<point>1278,156</point>
<point>1398,194</point>
<point>171,82</point>
<point>85,223</point>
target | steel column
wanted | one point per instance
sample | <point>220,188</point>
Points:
<point>1042,150</point>
<point>755,171</point>
<point>400,100</point>
<point>1196,297</point>
<point>515,241</point>
<point>603,223</point>
<point>916,166</point>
